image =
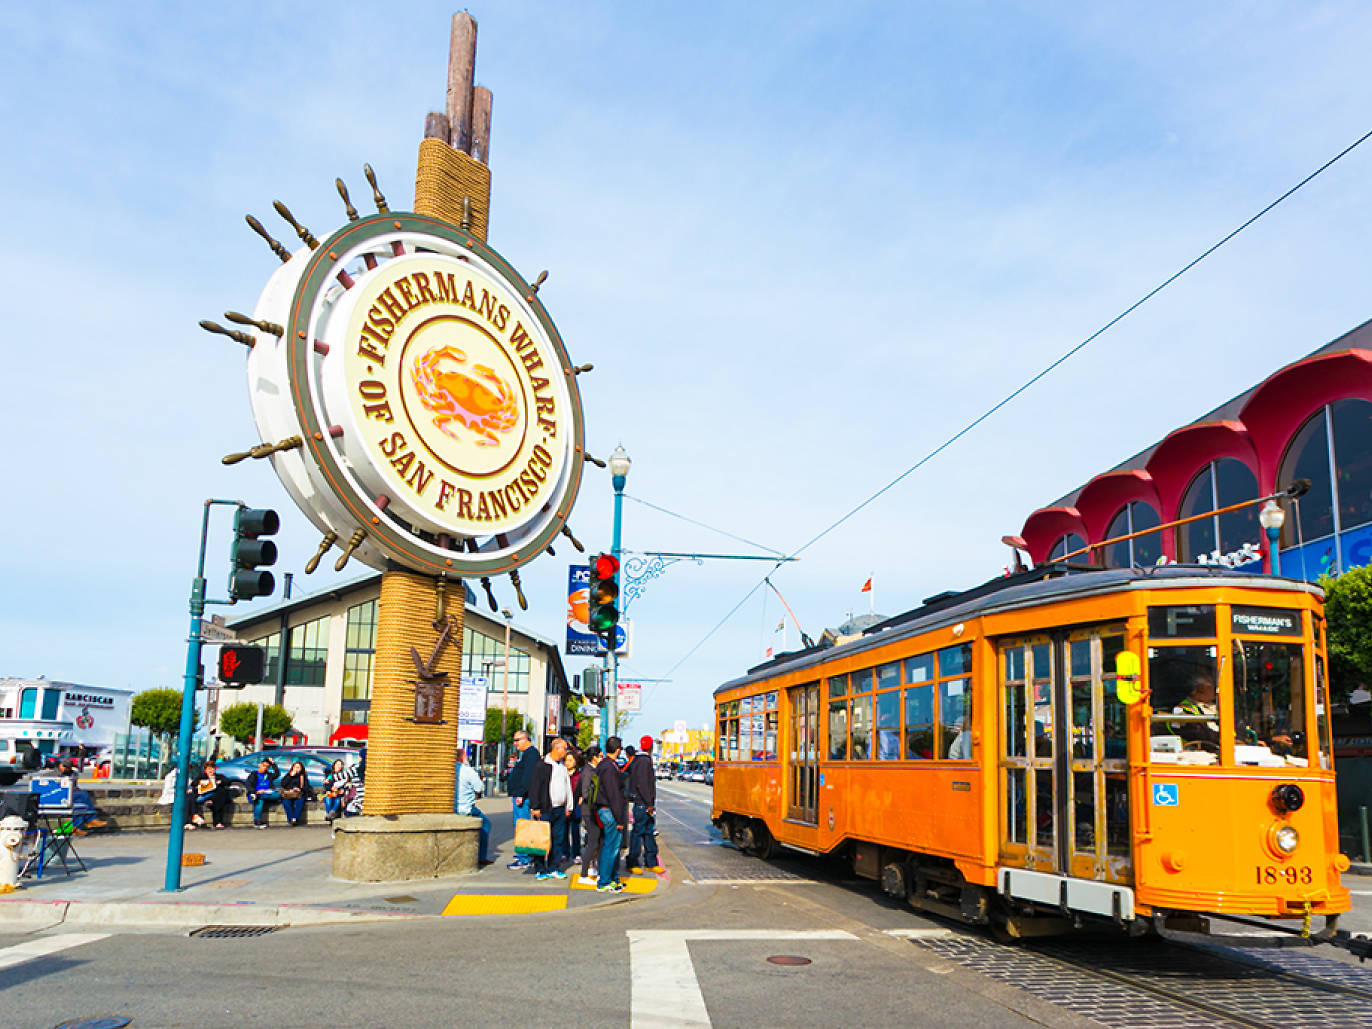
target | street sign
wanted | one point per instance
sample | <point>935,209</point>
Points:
<point>471,708</point>
<point>213,630</point>
<point>630,696</point>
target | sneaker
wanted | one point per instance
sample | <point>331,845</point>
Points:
<point>658,870</point>
<point>586,880</point>
<point>518,864</point>
<point>541,876</point>
<point>261,825</point>
<point>636,870</point>
<point>557,875</point>
<point>610,888</point>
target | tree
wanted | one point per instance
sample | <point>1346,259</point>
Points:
<point>160,711</point>
<point>586,724</point>
<point>1348,610</point>
<point>514,721</point>
<point>240,721</point>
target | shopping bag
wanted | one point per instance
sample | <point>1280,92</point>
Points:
<point>533,837</point>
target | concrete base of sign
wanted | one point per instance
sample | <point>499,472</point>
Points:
<point>394,848</point>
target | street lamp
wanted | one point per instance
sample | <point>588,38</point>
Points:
<point>619,471</point>
<point>1271,518</point>
<point>504,695</point>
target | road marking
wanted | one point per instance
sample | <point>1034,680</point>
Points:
<point>664,990</point>
<point>711,881</point>
<point>1361,893</point>
<point>28,951</point>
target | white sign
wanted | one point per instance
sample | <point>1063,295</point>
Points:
<point>630,696</point>
<point>680,727</point>
<point>211,633</point>
<point>471,709</point>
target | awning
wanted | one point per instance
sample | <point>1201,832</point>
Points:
<point>350,731</point>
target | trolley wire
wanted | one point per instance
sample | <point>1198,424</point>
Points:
<point>1029,383</point>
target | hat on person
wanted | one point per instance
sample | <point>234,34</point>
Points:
<point>646,743</point>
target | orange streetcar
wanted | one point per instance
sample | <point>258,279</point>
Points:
<point>1147,748</point>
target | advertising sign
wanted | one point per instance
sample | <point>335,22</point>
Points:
<point>580,639</point>
<point>471,709</point>
<point>630,696</point>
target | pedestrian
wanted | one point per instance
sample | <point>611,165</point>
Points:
<point>354,806</point>
<point>295,791</point>
<point>587,791</point>
<point>572,836</point>
<point>262,790</point>
<point>84,814</point>
<point>517,784</point>
<point>612,815</point>
<point>643,796</point>
<point>469,787</point>
<point>339,785</point>
<point>550,800</point>
<point>209,788</point>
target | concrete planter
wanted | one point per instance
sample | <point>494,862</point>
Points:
<point>395,848</point>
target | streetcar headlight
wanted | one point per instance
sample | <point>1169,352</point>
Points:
<point>1285,838</point>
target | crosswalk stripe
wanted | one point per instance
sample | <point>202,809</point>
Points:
<point>31,949</point>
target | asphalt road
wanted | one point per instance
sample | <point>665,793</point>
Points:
<point>694,953</point>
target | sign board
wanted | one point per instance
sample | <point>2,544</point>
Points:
<point>554,722</point>
<point>216,632</point>
<point>580,639</point>
<point>630,696</point>
<point>471,709</point>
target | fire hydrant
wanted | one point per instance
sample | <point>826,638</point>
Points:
<point>11,840</point>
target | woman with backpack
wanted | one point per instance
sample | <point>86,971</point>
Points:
<point>585,795</point>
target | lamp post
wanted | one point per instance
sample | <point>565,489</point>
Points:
<point>619,471</point>
<point>1271,518</point>
<point>504,695</point>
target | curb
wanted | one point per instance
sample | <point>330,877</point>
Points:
<point>186,915</point>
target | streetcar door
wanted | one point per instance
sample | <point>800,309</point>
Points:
<point>802,773</point>
<point>1093,769</point>
<point>1029,672</point>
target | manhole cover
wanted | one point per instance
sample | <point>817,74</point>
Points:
<point>228,932</point>
<point>788,959</point>
<point>96,1022</point>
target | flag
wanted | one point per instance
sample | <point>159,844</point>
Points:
<point>769,651</point>
<point>780,625</point>
<point>866,586</point>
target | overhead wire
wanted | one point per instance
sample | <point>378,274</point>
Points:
<point>1027,384</point>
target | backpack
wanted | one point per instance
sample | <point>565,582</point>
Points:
<point>593,791</point>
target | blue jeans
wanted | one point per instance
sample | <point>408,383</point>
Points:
<point>521,810</point>
<point>333,806</point>
<point>552,861</point>
<point>259,806</point>
<point>485,845</point>
<point>641,838</point>
<point>609,847</point>
<point>294,808</point>
<point>574,833</point>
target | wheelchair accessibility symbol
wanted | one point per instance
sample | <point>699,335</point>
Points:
<point>1165,794</point>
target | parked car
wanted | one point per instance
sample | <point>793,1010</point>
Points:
<point>236,770</point>
<point>710,776</point>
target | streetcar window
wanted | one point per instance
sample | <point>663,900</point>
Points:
<point>838,685</point>
<point>1015,805</point>
<point>1322,710</point>
<point>769,749</point>
<point>1182,622</point>
<point>1014,664</point>
<point>955,716</point>
<point>1083,722</point>
<point>1043,816</point>
<point>1080,657</point>
<point>1185,703</point>
<point>1014,721</point>
<point>888,726</point>
<point>1269,704</point>
<point>888,675</point>
<point>862,681</point>
<point>919,723</point>
<point>861,729</point>
<point>747,707</point>
<point>1116,814</point>
<point>955,660</point>
<point>1084,817</point>
<point>1042,666</point>
<point>838,730</point>
<point>920,668</point>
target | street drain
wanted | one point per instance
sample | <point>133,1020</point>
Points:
<point>230,932</point>
<point>788,959</point>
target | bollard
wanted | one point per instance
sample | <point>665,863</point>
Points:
<point>1366,849</point>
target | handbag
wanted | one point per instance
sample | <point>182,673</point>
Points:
<point>290,794</point>
<point>533,837</point>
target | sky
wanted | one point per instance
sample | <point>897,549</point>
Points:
<point>802,244</point>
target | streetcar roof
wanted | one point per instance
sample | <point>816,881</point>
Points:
<point>1026,589</point>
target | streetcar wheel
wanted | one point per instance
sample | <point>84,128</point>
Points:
<point>763,845</point>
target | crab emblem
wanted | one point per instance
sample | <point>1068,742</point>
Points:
<point>476,397</point>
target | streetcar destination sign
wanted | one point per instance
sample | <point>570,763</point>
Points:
<point>1265,621</point>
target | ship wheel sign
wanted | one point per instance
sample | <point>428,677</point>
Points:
<point>414,396</point>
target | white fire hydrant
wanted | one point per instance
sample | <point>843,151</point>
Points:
<point>11,840</point>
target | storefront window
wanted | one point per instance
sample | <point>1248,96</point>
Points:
<point>1308,458</point>
<point>1353,460</point>
<point>1221,483</point>
<point>1066,545</point>
<point>358,657</point>
<point>308,654</point>
<point>485,655</point>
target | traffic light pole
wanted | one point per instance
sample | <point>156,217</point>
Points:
<point>611,708</point>
<point>176,836</point>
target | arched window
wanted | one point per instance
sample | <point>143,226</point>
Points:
<point>1221,483</point>
<point>1308,458</point>
<point>1352,461</point>
<point>1340,472</point>
<point>1066,545</point>
<point>1136,516</point>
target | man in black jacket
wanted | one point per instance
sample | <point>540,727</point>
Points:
<point>642,788</point>
<point>550,800</point>
<point>612,814</point>
<point>517,784</point>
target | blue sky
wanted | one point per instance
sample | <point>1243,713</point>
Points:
<point>801,243</point>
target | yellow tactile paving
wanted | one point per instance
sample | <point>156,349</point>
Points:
<point>504,903</point>
<point>632,884</point>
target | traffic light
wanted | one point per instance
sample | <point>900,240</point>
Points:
<point>602,597</point>
<point>240,666</point>
<point>590,684</point>
<point>246,580</point>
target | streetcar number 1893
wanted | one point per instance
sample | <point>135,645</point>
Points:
<point>1269,875</point>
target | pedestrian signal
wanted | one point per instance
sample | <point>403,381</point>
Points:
<point>241,666</point>
<point>246,578</point>
<point>603,597</point>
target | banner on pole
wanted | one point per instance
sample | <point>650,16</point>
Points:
<point>471,709</point>
<point>580,639</point>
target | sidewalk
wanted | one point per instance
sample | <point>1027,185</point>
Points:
<point>280,876</point>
